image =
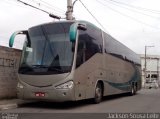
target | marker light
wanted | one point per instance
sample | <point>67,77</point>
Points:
<point>20,86</point>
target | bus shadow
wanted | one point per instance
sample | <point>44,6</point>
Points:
<point>114,97</point>
<point>57,105</point>
<point>70,105</point>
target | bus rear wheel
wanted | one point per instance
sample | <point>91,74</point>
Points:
<point>98,94</point>
<point>133,90</point>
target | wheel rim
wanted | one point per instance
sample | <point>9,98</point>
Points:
<point>132,90</point>
<point>98,94</point>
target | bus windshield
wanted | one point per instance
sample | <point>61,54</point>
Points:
<point>50,51</point>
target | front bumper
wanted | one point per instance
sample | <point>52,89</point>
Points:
<point>51,93</point>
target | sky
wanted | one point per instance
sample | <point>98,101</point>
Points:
<point>135,23</point>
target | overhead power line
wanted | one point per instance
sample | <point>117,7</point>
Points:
<point>41,3</point>
<point>93,15</point>
<point>132,10</point>
<point>50,14</point>
<point>136,7</point>
<point>121,13</point>
<point>12,2</point>
<point>52,6</point>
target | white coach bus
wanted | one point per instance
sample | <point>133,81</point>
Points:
<point>74,60</point>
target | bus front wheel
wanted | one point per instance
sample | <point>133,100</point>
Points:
<point>98,94</point>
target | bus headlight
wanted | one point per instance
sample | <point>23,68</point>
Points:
<point>67,85</point>
<point>20,86</point>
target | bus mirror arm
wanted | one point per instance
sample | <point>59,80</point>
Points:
<point>29,41</point>
<point>11,40</point>
<point>73,46</point>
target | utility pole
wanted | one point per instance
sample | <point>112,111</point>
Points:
<point>158,71</point>
<point>145,63</point>
<point>69,12</point>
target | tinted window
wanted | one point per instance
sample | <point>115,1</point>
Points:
<point>119,50</point>
<point>113,47</point>
<point>50,51</point>
<point>95,38</point>
<point>89,43</point>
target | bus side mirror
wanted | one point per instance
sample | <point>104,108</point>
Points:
<point>11,40</point>
<point>82,27</point>
<point>73,30</point>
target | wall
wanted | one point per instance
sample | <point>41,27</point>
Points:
<point>9,63</point>
<point>152,66</point>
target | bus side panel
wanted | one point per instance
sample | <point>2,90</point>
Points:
<point>86,76</point>
<point>120,74</point>
<point>116,74</point>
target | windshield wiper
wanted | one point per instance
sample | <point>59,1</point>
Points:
<point>51,68</point>
<point>55,69</point>
<point>39,66</point>
<point>24,69</point>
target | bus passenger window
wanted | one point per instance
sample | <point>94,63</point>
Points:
<point>89,43</point>
<point>80,53</point>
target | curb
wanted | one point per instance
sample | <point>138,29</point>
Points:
<point>8,106</point>
<point>14,105</point>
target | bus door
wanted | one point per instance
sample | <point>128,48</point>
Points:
<point>80,72</point>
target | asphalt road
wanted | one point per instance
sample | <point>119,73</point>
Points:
<point>145,101</point>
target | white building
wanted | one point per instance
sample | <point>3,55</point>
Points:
<point>152,71</point>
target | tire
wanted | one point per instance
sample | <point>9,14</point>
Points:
<point>133,90</point>
<point>98,94</point>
